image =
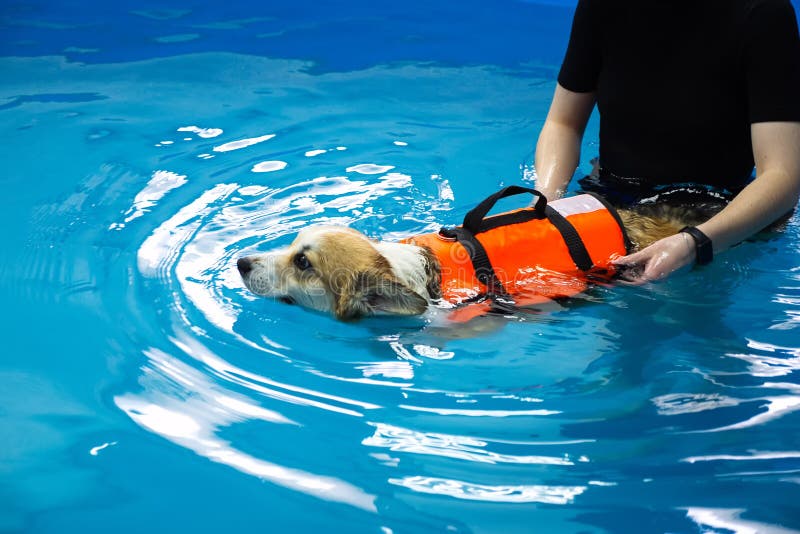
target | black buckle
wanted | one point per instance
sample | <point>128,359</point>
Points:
<point>447,234</point>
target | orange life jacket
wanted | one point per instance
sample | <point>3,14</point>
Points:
<point>526,256</point>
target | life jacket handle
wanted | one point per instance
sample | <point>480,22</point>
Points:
<point>474,218</point>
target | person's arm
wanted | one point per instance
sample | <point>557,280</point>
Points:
<point>559,146</point>
<point>776,147</point>
<point>774,192</point>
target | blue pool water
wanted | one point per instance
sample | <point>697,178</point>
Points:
<point>146,146</point>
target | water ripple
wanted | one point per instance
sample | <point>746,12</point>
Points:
<point>269,166</point>
<point>754,455</point>
<point>161,183</point>
<point>730,519</point>
<point>682,403</point>
<point>193,422</point>
<point>242,143</point>
<point>776,407</point>
<point>478,413</point>
<point>785,360</point>
<point>398,439</point>
<point>488,493</point>
<point>370,168</point>
<point>205,133</point>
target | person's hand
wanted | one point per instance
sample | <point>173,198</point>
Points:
<point>657,261</point>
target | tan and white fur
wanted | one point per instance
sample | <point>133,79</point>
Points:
<point>341,271</point>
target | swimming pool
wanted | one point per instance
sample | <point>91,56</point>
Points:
<point>142,388</point>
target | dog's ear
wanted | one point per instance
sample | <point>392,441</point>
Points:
<point>370,293</point>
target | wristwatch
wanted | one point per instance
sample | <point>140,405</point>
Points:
<point>704,250</point>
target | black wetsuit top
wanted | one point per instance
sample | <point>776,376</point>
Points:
<point>679,82</point>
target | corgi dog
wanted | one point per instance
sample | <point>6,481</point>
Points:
<point>522,257</point>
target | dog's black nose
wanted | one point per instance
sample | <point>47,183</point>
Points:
<point>244,265</point>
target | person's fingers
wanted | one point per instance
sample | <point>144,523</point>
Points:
<point>640,268</point>
<point>630,271</point>
<point>631,259</point>
<point>653,263</point>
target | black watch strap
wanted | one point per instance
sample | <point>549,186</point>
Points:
<point>704,250</point>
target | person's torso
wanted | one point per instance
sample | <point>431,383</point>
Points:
<point>672,91</point>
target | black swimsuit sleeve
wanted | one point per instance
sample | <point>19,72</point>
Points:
<point>772,62</point>
<point>581,67</point>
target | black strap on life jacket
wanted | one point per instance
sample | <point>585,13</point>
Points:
<point>577,250</point>
<point>501,301</point>
<point>481,264</point>
<point>475,222</point>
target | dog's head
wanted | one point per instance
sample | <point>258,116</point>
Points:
<point>334,270</point>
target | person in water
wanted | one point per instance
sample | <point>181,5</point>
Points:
<point>696,93</point>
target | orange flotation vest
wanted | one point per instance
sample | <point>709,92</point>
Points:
<point>526,256</point>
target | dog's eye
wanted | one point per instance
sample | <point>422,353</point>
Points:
<point>301,262</point>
